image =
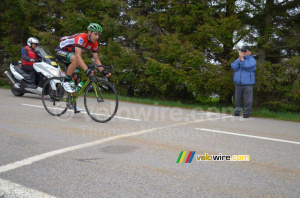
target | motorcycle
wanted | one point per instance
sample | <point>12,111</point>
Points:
<point>45,67</point>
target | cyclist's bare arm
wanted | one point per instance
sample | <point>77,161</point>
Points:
<point>98,62</point>
<point>79,59</point>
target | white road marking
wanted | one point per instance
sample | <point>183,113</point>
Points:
<point>125,118</point>
<point>43,156</point>
<point>245,135</point>
<point>10,189</point>
<point>206,113</point>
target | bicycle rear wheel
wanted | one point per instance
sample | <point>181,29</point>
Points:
<point>54,97</point>
<point>101,100</point>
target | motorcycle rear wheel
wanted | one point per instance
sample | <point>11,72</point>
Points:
<point>16,92</point>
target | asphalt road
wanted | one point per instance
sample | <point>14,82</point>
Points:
<point>135,154</point>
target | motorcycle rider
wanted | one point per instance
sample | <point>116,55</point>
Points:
<point>28,56</point>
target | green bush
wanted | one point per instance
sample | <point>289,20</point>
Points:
<point>277,85</point>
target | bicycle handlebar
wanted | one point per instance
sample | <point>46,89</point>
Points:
<point>94,66</point>
<point>109,68</point>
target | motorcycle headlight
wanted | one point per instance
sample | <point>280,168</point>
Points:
<point>54,72</point>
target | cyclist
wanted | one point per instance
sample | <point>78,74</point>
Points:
<point>70,49</point>
<point>28,56</point>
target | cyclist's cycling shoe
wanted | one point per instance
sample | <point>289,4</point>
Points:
<point>68,88</point>
<point>78,109</point>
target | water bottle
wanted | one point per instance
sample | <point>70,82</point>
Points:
<point>79,86</point>
<point>72,84</point>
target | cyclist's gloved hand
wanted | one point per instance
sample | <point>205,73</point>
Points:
<point>88,72</point>
<point>106,73</point>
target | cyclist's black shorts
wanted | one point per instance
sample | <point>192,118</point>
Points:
<point>63,56</point>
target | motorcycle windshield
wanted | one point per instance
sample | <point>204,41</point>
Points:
<point>44,53</point>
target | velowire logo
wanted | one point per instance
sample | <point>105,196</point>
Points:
<point>188,159</point>
<point>183,159</point>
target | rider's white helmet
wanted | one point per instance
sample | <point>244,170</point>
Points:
<point>32,40</point>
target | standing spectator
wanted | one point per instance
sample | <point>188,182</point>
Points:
<point>244,78</point>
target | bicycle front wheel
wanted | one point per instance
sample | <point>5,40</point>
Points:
<point>101,100</point>
<point>54,97</point>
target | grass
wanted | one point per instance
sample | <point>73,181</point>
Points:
<point>213,107</point>
<point>165,103</point>
<point>265,113</point>
<point>5,86</point>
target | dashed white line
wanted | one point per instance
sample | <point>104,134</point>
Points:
<point>125,118</point>
<point>250,136</point>
<point>9,189</point>
<point>43,156</point>
<point>206,113</point>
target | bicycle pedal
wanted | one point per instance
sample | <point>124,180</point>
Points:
<point>76,111</point>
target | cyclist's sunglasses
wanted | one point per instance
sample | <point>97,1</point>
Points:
<point>99,33</point>
<point>244,51</point>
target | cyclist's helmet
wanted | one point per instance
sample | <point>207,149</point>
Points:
<point>94,27</point>
<point>32,40</point>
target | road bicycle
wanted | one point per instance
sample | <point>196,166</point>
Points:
<point>100,96</point>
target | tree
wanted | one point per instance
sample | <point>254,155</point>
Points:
<point>275,28</point>
<point>179,49</point>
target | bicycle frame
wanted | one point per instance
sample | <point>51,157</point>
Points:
<point>95,94</point>
<point>87,82</point>
<point>78,94</point>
